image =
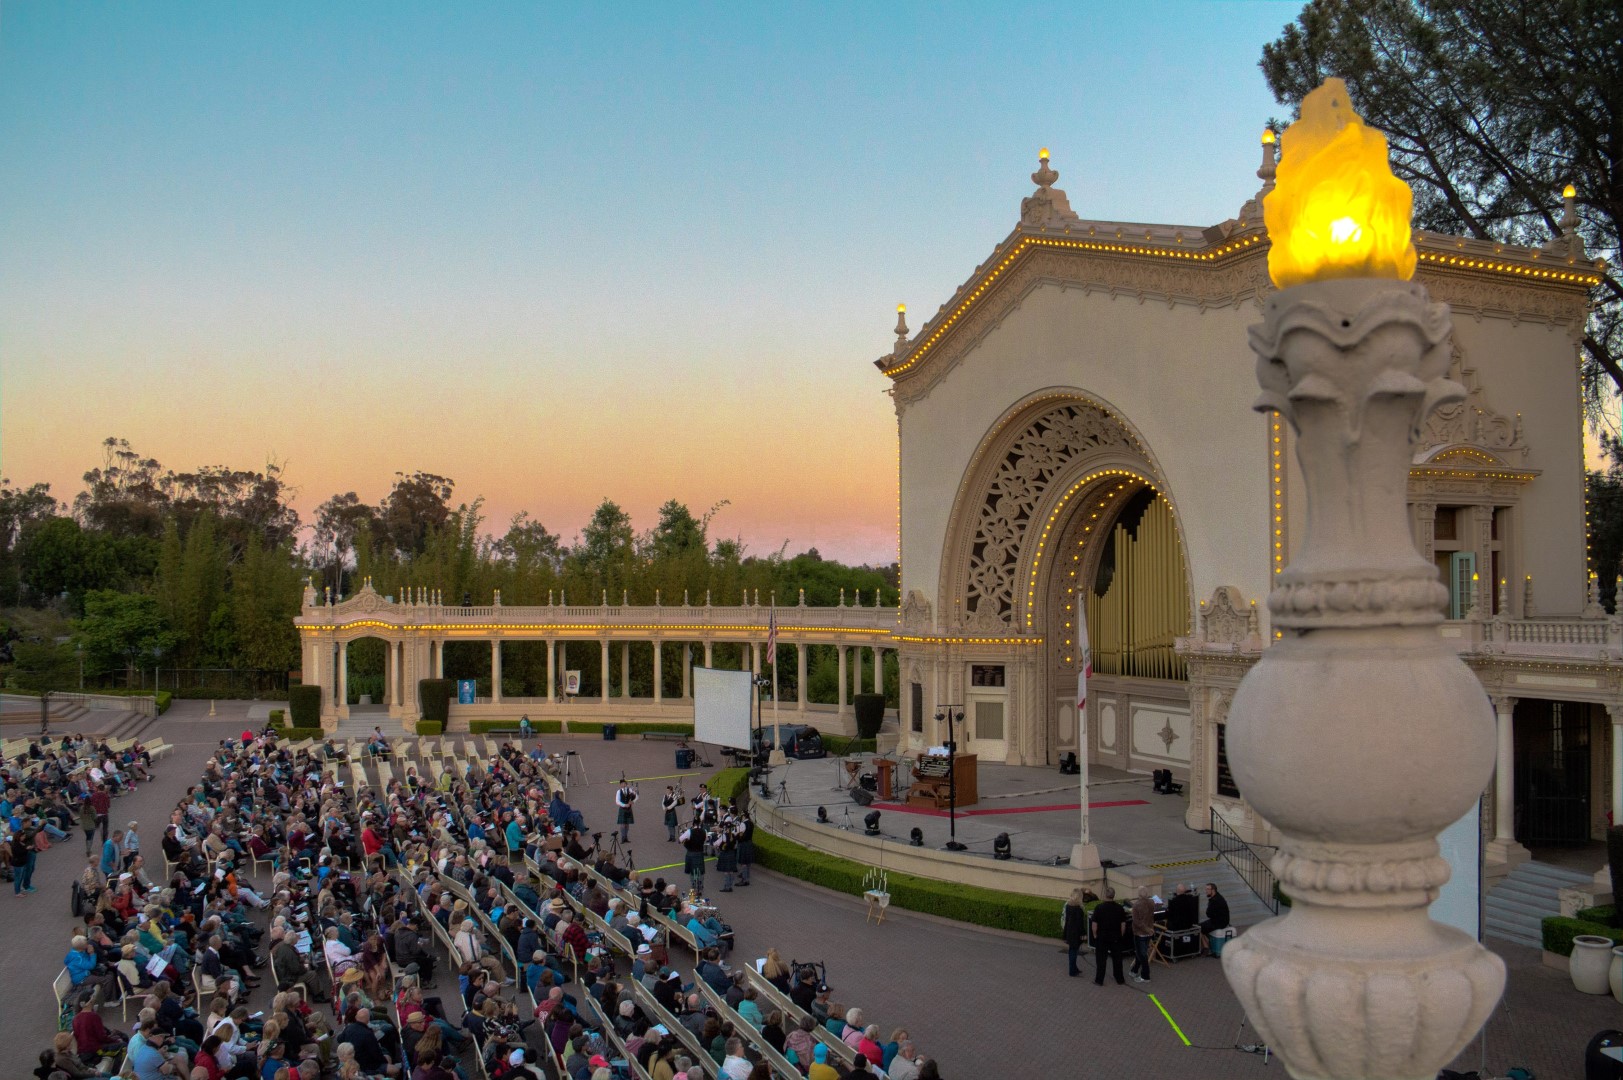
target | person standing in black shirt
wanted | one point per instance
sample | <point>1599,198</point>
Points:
<point>1111,928</point>
<point>693,864</point>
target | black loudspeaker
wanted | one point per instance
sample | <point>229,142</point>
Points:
<point>862,796</point>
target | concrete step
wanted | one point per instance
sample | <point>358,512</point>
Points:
<point>1515,909</point>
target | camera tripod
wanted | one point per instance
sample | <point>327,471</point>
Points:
<point>1250,1048</point>
<point>613,850</point>
<point>574,763</point>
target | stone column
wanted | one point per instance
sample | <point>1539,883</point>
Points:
<point>388,674</point>
<point>755,658</point>
<point>1504,774</point>
<point>1356,365</point>
<point>439,659</point>
<point>625,670</point>
<point>343,678</point>
<point>496,672</point>
<point>659,672</point>
<point>605,662</point>
<point>709,660</point>
<point>1614,712</point>
<point>841,708</point>
<point>878,670</point>
<point>552,669</point>
<point>800,674</point>
<point>687,671</point>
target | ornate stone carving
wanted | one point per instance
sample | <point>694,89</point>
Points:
<point>1470,421</point>
<point>1356,980</point>
<point>1047,207</point>
<point>916,613</point>
<point>1225,619</point>
<point>1007,511</point>
<point>1493,297</point>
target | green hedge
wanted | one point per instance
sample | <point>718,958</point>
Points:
<point>595,727</point>
<point>304,706</point>
<point>435,694</point>
<point>1601,914</point>
<point>278,717</point>
<point>484,727</point>
<point>163,699</point>
<point>965,903</point>
<point>1560,930</point>
<point>295,734</point>
<point>840,745</point>
<point>728,784</point>
<point>430,727</point>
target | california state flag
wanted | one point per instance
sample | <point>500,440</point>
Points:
<point>1086,671</point>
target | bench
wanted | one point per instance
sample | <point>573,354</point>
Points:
<point>674,736</point>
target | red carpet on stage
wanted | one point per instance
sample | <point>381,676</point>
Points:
<point>903,808</point>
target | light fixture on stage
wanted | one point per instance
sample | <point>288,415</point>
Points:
<point>1068,765</point>
<point>916,837</point>
<point>822,815</point>
<point>870,823</point>
<point>1000,847</point>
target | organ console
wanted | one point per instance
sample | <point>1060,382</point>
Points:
<point>931,782</point>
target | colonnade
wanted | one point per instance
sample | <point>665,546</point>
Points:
<point>410,659</point>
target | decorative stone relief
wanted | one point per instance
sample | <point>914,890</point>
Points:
<point>1225,619</point>
<point>916,613</point>
<point>1006,514</point>
<point>1471,422</point>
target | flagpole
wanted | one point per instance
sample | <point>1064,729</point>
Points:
<point>1085,853</point>
<point>776,757</point>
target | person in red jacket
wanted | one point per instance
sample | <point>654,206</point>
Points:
<point>92,1037</point>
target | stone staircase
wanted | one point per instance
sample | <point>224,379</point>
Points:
<point>1517,906</point>
<point>1245,909</point>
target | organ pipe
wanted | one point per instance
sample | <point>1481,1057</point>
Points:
<point>1132,626</point>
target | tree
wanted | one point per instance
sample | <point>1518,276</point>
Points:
<point>678,533</point>
<point>266,587</point>
<point>127,496</point>
<point>528,544</point>
<point>20,508</point>
<point>341,522</point>
<point>415,507</point>
<point>44,670</point>
<point>1491,108</point>
<point>605,554</point>
<point>57,558</point>
<point>122,629</point>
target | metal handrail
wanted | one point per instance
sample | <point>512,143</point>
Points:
<point>1246,861</point>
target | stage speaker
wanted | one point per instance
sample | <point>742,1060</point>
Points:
<point>862,796</point>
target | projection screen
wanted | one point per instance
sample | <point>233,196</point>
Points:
<point>721,706</point>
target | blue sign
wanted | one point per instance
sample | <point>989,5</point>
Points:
<point>464,691</point>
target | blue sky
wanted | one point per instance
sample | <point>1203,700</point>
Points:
<point>558,253</point>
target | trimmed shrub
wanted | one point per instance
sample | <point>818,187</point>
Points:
<point>278,717</point>
<point>304,706</point>
<point>435,694</point>
<point>1558,932</point>
<point>1602,914</point>
<point>297,733</point>
<point>840,745</point>
<point>870,709</point>
<point>965,903</point>
<point>163,699</point>
<point>728,784</point>
<point>430,727</point>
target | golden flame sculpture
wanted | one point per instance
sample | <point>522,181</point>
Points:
<point>1336,210</point>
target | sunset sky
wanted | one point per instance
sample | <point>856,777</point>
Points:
<point>556,254</point>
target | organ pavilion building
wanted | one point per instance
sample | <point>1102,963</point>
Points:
<point>1078,443</point>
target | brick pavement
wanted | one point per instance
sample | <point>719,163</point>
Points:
<point>975,999</point>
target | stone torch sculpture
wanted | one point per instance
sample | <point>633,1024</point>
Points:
<point>1359,735</point>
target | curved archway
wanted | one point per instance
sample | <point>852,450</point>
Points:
<point>1063,515</point>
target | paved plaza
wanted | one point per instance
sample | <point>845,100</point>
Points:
<point>980,1001</point>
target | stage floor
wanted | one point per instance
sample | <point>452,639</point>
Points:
<point>1038,807</point>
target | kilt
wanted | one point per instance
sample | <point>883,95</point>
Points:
<point>693,863</point>
<point>727,860</point>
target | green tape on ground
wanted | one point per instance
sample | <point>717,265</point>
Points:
<point>1182,1038</point>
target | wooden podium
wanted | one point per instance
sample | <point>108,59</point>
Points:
<point>932,782</point>
<point>885,770</point>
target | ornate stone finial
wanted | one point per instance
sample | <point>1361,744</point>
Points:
<point>1269,166</point>
<point>901,331</point>
<point>707,598</point>
<point>757,601</point>
<point>563,598</point>
<point>1504,601</point>
<point>498,601</point>
<point>549,598</point>
<point>1617,595</point>
<point>329,595</point>
<point>1527,597</point>
<point>877,593</point>
<point>1047,207</point>
<point>1474,612</point>
<point>772,598</point>
<point>656,598</point>
<point>858,601</point>
<point>802,597</point>
<point>1253,628</point>
<point>1356,365</point>
<point>605,598</point>
<point>1567,243</point>
<point>1592,608</point>
<point>685,599</point>
<point>842,597</point>
<point>625,597</point>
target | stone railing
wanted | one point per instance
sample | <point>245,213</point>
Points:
<point>1553,638</point>
<point>749,617</point>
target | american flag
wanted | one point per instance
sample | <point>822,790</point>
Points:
<point>772,638</point>
<point>1086,672</point>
